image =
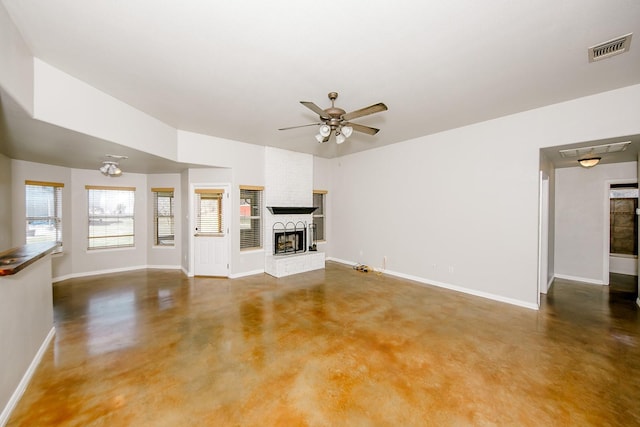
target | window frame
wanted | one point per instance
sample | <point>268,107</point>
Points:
<point>322,216</point>
<point>157,242</point>
<point>56,218</point>
<point>259,191</point>
<point>90,188</point>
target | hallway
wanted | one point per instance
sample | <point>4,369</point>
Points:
<point>328,348</point>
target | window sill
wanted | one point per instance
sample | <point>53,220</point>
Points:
<point>251,251</point>
<point>623,256</point>
<point>101,250</point>
<point>163,247</point>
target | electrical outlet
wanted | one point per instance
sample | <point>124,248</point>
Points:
<point>451,269</point>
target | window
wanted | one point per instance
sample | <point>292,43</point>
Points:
<point>163,220</point>
<point>318,214</point>
<point>44,212</point>
<point>250,217</point>
<point>111,217</point>
<point>209,208</point>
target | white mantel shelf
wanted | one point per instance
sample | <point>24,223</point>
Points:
<point>286,265</point>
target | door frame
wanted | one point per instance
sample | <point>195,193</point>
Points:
<point>226,211</point>
<point>543,236</point>
<point>607,224</point>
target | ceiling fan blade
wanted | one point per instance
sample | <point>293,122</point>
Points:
<point>375,108</point>
<point>364,129</point>
<point>313,107</point>
<point>301,126</point>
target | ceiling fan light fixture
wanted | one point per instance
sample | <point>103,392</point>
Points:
<point>325,130</point>
<point>340,138</point>
<point>346,131</point>
<point>111,168</point>
<point>104,169</point>
<point>589,162</point>
<point>114,170</point>
<point>319,138</point>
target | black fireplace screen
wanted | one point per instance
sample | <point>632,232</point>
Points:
<point>289,238</point>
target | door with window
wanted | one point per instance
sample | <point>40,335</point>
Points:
<point>211,234</point>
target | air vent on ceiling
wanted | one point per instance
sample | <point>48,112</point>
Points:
<point>610,48</point>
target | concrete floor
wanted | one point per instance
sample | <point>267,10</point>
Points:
<point>330,348</point>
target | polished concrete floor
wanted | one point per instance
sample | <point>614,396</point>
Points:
<point>334,347</point>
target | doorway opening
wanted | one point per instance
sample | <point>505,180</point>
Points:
<point>623,239</point>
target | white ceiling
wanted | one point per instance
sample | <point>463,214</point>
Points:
<point>238,70</point>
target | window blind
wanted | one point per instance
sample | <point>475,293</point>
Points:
<point>44,212</point>
<point>163,217</point>
<point>250,217</point>
<point>111,217</point>
<point>318,214</point>
<point>209,211</point>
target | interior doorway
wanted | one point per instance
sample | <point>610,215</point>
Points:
<point>623,228</point>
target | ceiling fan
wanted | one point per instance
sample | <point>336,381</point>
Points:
<point>334,120</point>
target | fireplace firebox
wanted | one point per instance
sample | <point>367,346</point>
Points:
<point>289,238</point>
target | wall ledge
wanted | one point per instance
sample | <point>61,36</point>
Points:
<point>26,378</point>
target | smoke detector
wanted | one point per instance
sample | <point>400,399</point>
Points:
<point>610,48</point>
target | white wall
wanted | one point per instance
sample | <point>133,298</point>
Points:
<point>246,166</point>
<point>105,260</point>
<point>23,171</point>
<point>5,208</point>
<point>322,180</point>
<point>460,208</point>
<point>183,223</point>
<point>581,241</point>
<point>26,327</point>
<point>87,110</point>
<point>16,64</point>
<point>164,256</point>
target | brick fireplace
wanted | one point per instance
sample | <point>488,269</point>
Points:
<point>289,198</point>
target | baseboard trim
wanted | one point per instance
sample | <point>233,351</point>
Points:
<point>114,270</point>
<point>26,378</point>
<point>165,267</point>
<point>247,273</point>
<point>579,279</point>
<point>428,282</point>
<point>342,261</point>
<point>186,272</point>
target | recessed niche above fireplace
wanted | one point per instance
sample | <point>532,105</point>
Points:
<point>290,210</point>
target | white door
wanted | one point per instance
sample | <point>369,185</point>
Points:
<point>211,234</point>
